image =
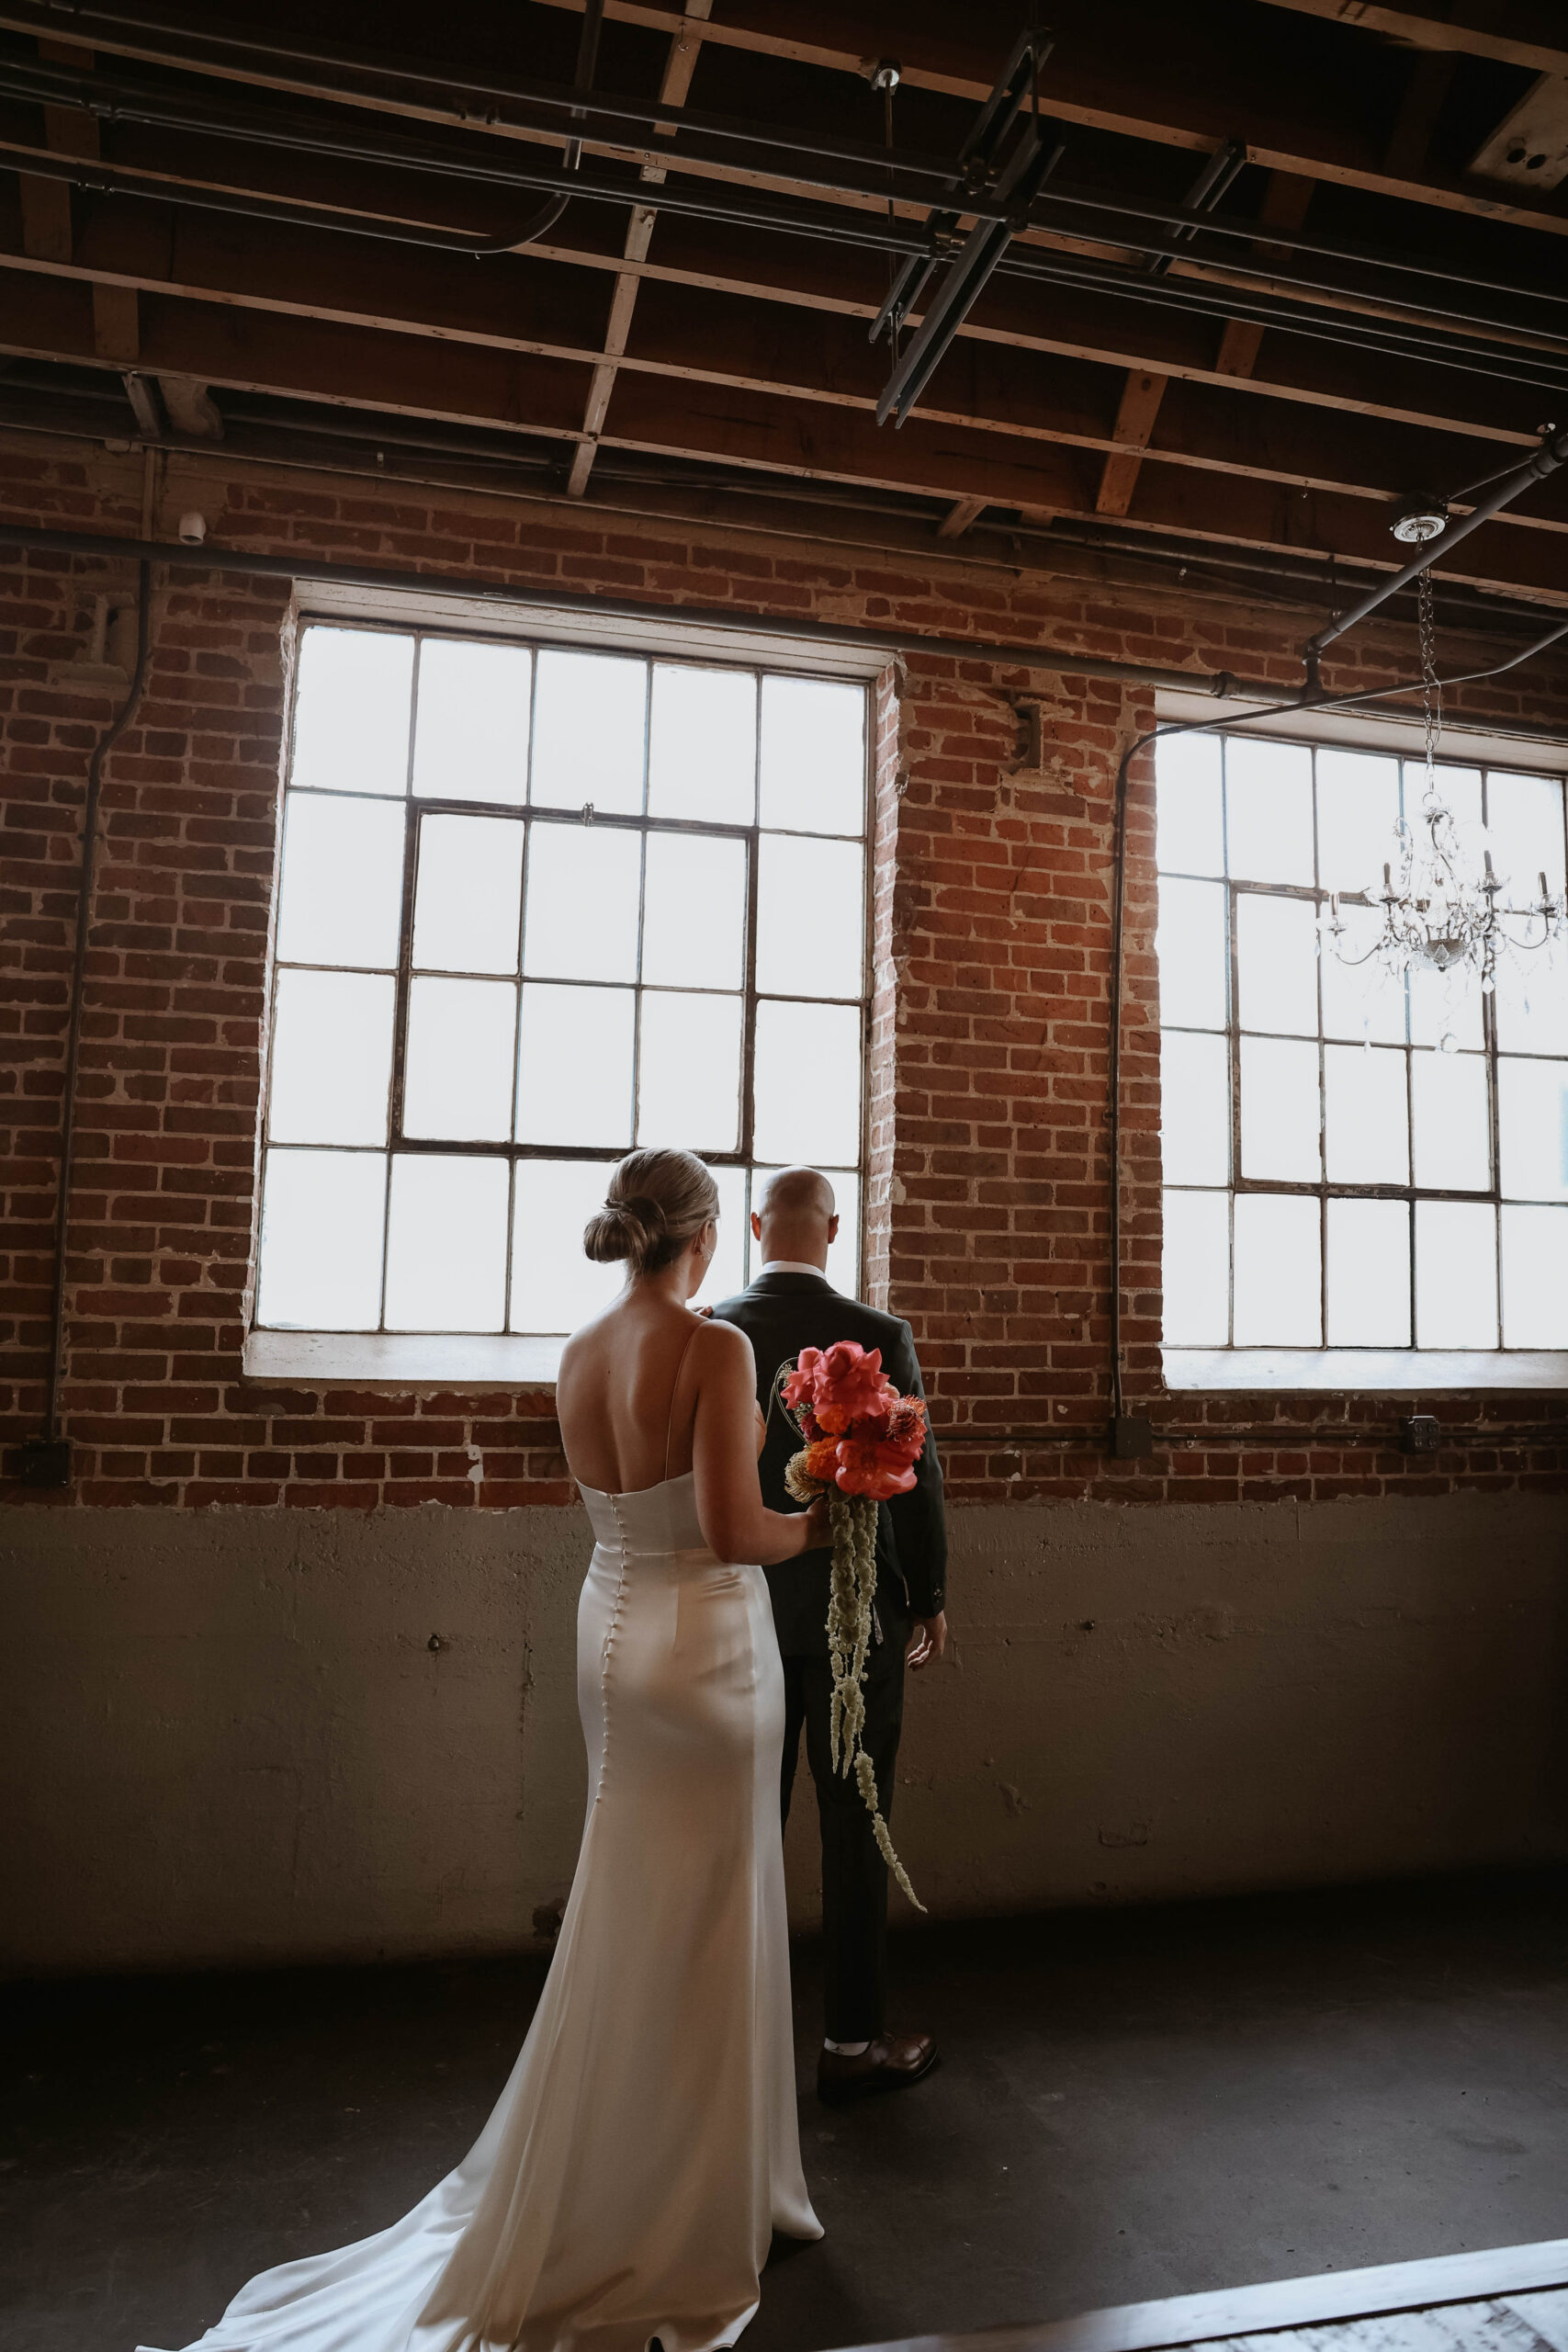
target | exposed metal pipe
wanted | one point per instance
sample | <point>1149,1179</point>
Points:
<point>545,216</point>
<point>1513,364</point>
<point>612,114</point>
<point>206,558</point>
<point>1536,468</point>
<point>1108,221</point>
<point>359,448</point>
<point>47,1462</point>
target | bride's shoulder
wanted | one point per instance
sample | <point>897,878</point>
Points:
<point>724,1346</point>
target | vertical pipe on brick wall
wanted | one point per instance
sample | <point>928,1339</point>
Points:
<point>51,1463</point>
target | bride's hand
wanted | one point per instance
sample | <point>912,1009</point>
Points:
<point>818,1530</point>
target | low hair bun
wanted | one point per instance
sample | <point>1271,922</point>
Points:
<point>654,1204</point>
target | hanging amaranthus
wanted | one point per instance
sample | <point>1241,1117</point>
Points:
<point>862,1440</point>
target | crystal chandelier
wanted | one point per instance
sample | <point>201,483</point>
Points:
<point>1439,910</point>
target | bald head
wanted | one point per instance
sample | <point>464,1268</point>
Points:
<point>797,1218</point>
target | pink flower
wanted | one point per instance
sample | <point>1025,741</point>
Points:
<point>801,1386</point>
<point>848,1386</point>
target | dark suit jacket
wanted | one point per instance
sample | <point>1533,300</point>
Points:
<point>781,1314</point>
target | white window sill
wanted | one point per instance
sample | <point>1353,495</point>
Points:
<point>1364,1370</point>
<point>402,1359</point>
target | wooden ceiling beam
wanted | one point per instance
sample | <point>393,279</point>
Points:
<point>540,310</point>
<point>1162,91</point>
<point>762,429</point>
<point>771,435</point>
<point>674,83</point>
<point>1533,33</point>
<point>555,298</point>
<point>1147,95</point>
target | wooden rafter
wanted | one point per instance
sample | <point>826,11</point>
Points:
<point>723,337</point>
<point>761,427</point>
<point>674,83</point>
<point>1533,33</point>
<point>1164,89</point>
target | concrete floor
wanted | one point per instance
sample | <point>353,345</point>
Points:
<point>1133,2104</point>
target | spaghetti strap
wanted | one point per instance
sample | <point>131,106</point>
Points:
<point>674,1391</point>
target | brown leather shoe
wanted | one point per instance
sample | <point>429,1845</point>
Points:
<point>891,2062</point>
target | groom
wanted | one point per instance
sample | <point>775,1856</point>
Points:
<point>790,1305</point>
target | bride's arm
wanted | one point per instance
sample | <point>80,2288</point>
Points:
<point>735,1524</point>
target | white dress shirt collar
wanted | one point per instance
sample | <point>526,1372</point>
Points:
<point>792,1266</point>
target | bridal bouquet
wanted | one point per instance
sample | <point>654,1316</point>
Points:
<point>862,1440</point>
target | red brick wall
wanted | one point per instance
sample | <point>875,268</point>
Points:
<point>987,1200</point>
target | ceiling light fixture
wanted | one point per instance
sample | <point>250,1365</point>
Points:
<point>1420,519</point>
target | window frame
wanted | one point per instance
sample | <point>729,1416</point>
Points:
<point>1327,1362</point>
<point>273,1342</point>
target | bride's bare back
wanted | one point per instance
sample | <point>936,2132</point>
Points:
<point>627,1394</point>
<point>648,1391</point>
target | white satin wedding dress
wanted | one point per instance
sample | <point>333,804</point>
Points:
<point>645,2147</point>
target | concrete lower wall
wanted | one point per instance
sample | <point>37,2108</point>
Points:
<point>228,1738</point>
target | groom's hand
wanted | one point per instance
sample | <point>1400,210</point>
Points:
<point>928,1639</point>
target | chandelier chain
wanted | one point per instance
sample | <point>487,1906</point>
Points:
<point>1431,687</point>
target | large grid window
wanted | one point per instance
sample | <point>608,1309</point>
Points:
<point>538,905</point>
<point>1351,1160</point>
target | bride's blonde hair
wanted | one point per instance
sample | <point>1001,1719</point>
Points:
<point>654,1204</point>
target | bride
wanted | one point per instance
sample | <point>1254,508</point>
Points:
<point>627,2184</point>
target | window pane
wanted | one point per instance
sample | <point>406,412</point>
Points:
<point>1369,1273</point>
<point>1358,809</point>
<point>1193,955</point>
<point>1535,1278</point>
<point>1459,787</point>
<point>574,1073</point>
<point>1281,1115</point>
<point>1195,1109</point>
<point>1448,1098</point>
<point>1531,1005</point>
<point>727,1272</point>
<point>689,1071</point>
<point>1190,827</point>
<point>701,752</point>
<point>1361,999</point>
<point>331,1058</point>
<point>340,897</point>
<point>588,716</point>
<point>467,894</point>
<point>1366,1119</point>
<point>813,763</point>
<point>1275,954</point>
<point>810,917</point>
<point>807,1084</point>
<point>1196,1270</point>
<point>447,1244</point>
<point>554,1286</point>
<point>471,728</point>
<point>458,1075</point>
<point>694,918</point>
<point>1456,1274</point>
<point>581,921</point>
<point>1278,1272</point>
<point>1444,1004</point>
<point>351,714</point>
<point>1524,823</point>
<point>1268,811</point>
<point>1532,1129</point>
<point>320,1240</point>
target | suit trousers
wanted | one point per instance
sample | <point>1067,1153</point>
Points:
<point>854,1876</point>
